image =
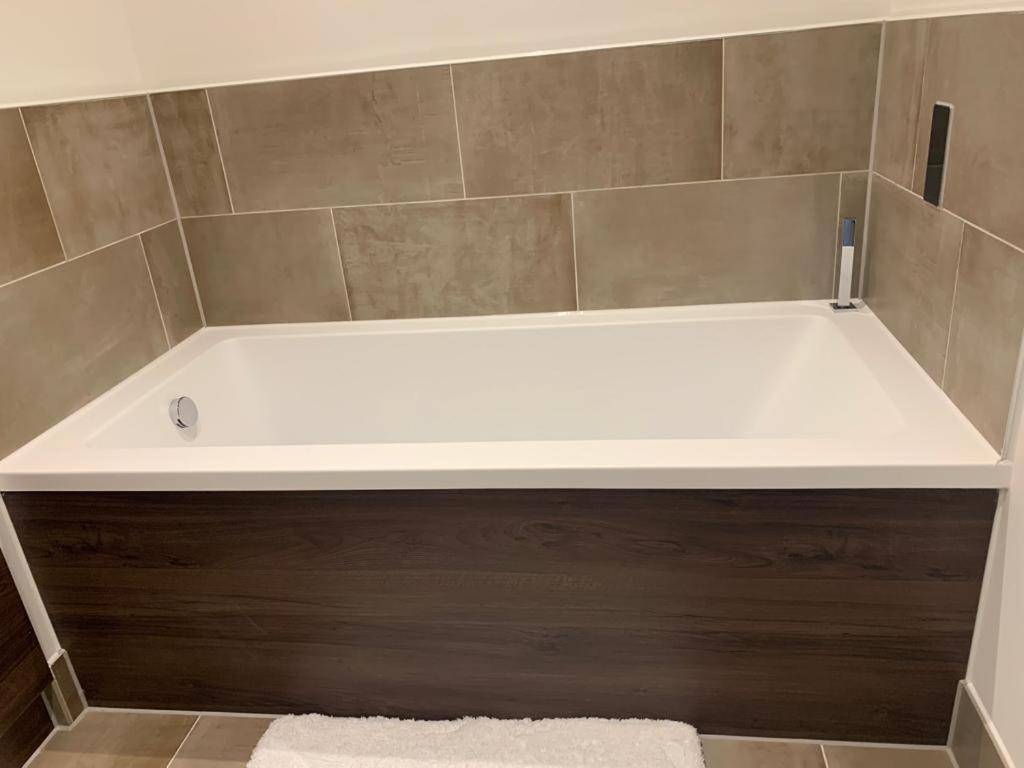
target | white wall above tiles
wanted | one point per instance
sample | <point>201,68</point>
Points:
<point>64,51</point>
<point>53,50</point>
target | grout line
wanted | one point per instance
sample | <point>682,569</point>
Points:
<point>920,103</point>
<point>156,296</point>
<point>835,243</point>
<point>182,744</point>
<point>458,135</point>
<point>721,138</point>
<point>123,239</point>
<point>39,173</point>
<point>82,255</point>
<point>177,210</point>
<point>47,268</point>
<point>824,757</point>
<point>575,262</point>
<point>952,307</point>
<point>553,193</point>
<point>341,263</point>
<point>827,742</point>
<point>956,216</point>
<point>196,712</point>
<point>864,256</point>
<point>220,152</point>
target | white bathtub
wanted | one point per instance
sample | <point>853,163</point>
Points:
<point>775,395</point>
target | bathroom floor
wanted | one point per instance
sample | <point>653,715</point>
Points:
<point>110,739</point>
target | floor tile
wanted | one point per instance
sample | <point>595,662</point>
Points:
<point>746,753</point>
<point>223,742</point>
<point>116,740</point>
<point>886,757</point>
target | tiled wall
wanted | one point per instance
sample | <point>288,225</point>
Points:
<point>669,174</point>
<point>682,173</point>
<point>949,281</point>
<point>94,279</point>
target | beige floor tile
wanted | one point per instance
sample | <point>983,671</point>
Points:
<point>116,740</point>
<point>745,753</point>
<point>886,757</point>
<point>221,742</point>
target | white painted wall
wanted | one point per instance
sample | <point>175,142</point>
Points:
<point>997,656</point>
<point>53,50</point>
<point>73,50</point>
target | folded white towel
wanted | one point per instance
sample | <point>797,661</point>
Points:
<point>315,741</point>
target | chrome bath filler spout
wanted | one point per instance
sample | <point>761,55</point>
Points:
<point>847,238</point>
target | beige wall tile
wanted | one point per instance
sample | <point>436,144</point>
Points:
<point>913,250</point>
<point>70,333</point>
<point>597,119</point>
<point>28,239</point>
<point>799,102</point>
<point>844,756</point>
<point>984,341</point>
<point>223,742</point>
<point>172,280</point>
<point>745,753</point>
<point>116,740</point>
<point>193,159</point>
<point>853,203</point>
<point>474,257</point>
<point>899,99</point>
<point>100,163</point>
<point>267,267</point>
<point>368,138</point>
<point>750,240</point>
<point>975,63</point>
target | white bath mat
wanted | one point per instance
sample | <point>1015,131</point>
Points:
<point>315,741</point>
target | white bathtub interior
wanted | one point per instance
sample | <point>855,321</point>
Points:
<point>672,397</point>
<point>782,377</point>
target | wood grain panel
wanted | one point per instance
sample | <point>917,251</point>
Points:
<point>25,734</point>
<point>817,614</point>
<point>23,669</point>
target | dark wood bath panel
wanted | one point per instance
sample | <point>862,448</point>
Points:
<point>825,614</point>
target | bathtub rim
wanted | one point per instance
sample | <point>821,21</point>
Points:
<point>46,463</point>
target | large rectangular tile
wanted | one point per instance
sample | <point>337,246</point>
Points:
<point>28,239</point>
<point>751,240</point>
<point>597,119</point>
<point>70,333</point>
<point>116,740</point>
<point>899,99</point>
<point>984,341</point>
<point>267,267</point>
<point>366,138</point>
<point>172,280</point>
<point>913,250</point>
<point>849,756</point>
<point>101,166</point>
<point>193,157</point>
<point>222,742</point>
<point>473,257</point>
<point>747,753</point>
<point>974,63</point>
<point>800,102</point>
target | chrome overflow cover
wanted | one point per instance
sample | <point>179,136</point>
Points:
<point>184,412</point>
